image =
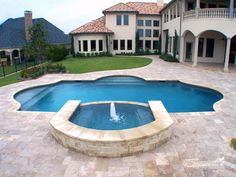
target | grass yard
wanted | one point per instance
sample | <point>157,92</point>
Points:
<point>9,79</point>
<point>76,65</point>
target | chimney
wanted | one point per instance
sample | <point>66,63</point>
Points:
<point>160,3</point>
<point>28,24</point>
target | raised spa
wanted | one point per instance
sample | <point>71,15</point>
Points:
<point>112,116</point>
<point>86,137</point>
<point>176,96</point>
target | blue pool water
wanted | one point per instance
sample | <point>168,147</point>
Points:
<point>176,96</point>
<point>97,116</point>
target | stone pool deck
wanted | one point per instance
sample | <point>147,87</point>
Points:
<point>199,146</point>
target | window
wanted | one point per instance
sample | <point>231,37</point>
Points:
<point>141,44</point>
<point>80,46</point>
<point>100,45</point>
<point>122,44</point>
<point>223,6</point>
<point>156,23</point>
<point>148,22</point>
<point>202,5</point>
<point>126,19</point>
<point>85,46</point>
<point>93,45</point>
<point>118,20</point>
<point>140,22</point>
<point>115,44</point>
<point>200,47</point>
<point>155,45</point>
<point>129,44</point>
<point>148,45</point>
<point>210,48</point>
<point>155,33</point>
<point>148,33</point>
<point>140,32</point>
<point>211,5</point>
<point>190,6</point>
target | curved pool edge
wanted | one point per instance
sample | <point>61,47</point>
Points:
<point>216,105</point>
<point>111,143</point>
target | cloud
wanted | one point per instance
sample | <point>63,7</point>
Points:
<point>65,14</point>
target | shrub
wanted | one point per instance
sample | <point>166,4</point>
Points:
<point>233,143</point>
<point>88,55</point>
<point>96,54</point>
<point>55,68</point>
<point>57,52</point>
<point>169,58</point>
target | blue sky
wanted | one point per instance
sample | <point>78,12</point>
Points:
<point>65,14</point>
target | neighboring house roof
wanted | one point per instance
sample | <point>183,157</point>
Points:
<point>145,8</point>
<point>12,33</point>
<point>95,26</point>
<point>121,7</point>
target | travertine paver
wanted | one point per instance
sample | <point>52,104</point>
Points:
<point>198,148</point>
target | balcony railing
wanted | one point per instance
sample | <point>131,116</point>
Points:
<point>209,13</point>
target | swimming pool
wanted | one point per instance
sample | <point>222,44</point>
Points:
<point>176,96</point>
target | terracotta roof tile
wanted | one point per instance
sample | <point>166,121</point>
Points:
<point>95,26</point>
<point>145,8</point>
<point>121,7</point>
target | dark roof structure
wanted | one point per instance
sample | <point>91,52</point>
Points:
<point>12,33</point>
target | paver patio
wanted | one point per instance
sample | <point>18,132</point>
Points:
<point>199,146</point>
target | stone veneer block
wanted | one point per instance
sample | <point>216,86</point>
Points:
<point>110,143</point>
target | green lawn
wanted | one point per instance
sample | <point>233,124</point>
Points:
<point>76,65</point>
<point>9,79</point>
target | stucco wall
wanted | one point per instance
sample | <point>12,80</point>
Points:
<point>122,32</point>
<point>89,37</point>
<point>197,26</point>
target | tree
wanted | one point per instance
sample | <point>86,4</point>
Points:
<point>160,44</point>
<point>137,46</point>
<point>167,42</point>
<point>37,45</point>
<point>175,44</point>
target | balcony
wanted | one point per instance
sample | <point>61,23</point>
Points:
<point>209,13</point>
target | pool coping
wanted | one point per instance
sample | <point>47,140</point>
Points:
<point>111,143</point>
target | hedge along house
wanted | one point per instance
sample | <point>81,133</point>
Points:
<point>14,35</point>
<point>115,32</point>
<point>206,28</point>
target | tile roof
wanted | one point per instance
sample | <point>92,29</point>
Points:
<point>12,33</point>
<point>95,26</point>
<point>145,8</point>
<point>121,7</point>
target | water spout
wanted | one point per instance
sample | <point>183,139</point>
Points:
<point>114,116</point>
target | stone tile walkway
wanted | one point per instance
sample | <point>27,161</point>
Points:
<point>199,146</point>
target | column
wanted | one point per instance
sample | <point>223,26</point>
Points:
<point>195,56</point>
<point>181,51</point>
<point>168,15</point>
<point>197,4</point>
<point>231,9</point>
<point>227,53</point>
<point>11,59</point>
<point>176,10</point>
<point>182,9</point>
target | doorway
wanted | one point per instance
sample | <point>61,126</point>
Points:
<point>188,56</point>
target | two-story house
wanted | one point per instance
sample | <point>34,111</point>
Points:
<point>207,30</point>
<point>115,32</point>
